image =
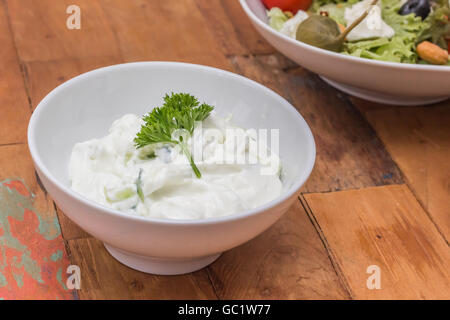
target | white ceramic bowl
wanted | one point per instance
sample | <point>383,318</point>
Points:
<point>84,107</point>
<point>384,82</point>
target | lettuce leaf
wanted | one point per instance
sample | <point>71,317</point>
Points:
<point>317,4</point>
<point>439,25</point>
<point>335,12</point>
<point>400,48</point>
<point>277,18</point>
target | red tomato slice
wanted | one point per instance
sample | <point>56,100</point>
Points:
<point>288,5</point>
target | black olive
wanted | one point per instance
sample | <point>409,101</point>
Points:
<point>420,8</point>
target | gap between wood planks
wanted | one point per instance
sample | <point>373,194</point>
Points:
<point>412,189</point>
<point>388,228</point>
<point>308,210</point>
<point>21,65</point>
<point>287,69</point>
<point>439,230</point>
<point>326,245</point>
<point>312,219</point>
<point>25,80</point>
<point>405,178</point>
<point>428,213</point>
<point>346,99</point>
<point>12,144</point>
<point>215,291</point>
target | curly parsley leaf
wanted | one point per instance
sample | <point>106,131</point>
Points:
<point>180,111</point>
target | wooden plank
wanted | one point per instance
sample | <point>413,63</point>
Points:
<point>232,29</point>
<point>268,70</point>
<point>70,230</point>
<point>41,77</point>
<point>34,258</point>
<point>44,76</point>
<point>364,105</point>
<point>41,34</point>
<point>286,262</point>
<point>103,277</point>
<point>60,61</point>
<point>51,54</point>
<point>418,138</point>
<point>349,154</point>
<point>16,164</point>
<point>386,227</point>
<point>130,31</point>
<point>14,107</point>
<point>169,30</point>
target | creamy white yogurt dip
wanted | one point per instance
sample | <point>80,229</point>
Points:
<point>159,182</point>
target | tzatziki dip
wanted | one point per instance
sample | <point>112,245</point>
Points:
<point>176,171</point>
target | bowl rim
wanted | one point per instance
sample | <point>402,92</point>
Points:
<point>348,58</point>
<point>36,115</point>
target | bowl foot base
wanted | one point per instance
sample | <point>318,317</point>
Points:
<point>381,97</point>
<point>160,266</point>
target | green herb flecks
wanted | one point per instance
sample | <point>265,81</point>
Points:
<point>120,195</point>
<point>139,186</point>
<point>173,123</point>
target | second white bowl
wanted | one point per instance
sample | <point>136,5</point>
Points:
<point>379,81</point>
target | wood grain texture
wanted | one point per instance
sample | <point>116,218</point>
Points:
<point>103,277</point>
<point>60,61</point>
<point>14,107</point>
<point>169,30</point>
<point>69,229</point>
<point>40,32</point>
<point>418,138</point>
<point>16,163</point>
<point>349,154</point>
<point>286,262</point>
<point>383,225</point>
<point>34,258</point>
<point>387,227</point>
<point>232,29</point>
<point>41,77</point>
<point>55,54</point>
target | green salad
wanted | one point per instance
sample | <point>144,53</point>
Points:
<point>414,31</point>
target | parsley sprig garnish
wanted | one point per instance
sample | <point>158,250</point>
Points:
<point>173,123</point>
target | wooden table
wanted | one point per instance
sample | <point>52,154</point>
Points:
<point>379,194</point>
